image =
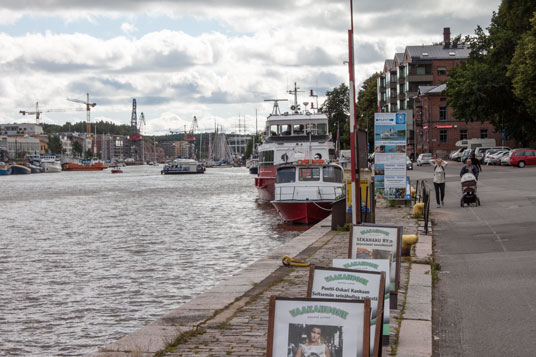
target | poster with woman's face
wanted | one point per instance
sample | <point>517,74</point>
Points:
<point>318,327</point>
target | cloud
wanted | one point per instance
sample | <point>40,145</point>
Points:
<point>128,28</point>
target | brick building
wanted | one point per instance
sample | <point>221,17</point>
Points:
<point>412,82</point>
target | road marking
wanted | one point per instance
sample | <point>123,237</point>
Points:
<point>498,238</point>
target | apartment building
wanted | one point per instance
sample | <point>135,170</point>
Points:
<point>416,76</point>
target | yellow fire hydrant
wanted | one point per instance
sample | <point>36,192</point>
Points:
<point>407,241</point>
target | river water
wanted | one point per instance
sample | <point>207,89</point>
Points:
<point>86,257</point>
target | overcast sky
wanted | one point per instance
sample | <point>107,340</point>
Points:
<point>215,59</point>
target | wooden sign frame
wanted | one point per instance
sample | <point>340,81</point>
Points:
<point>366,320</point>
<point>398,255</point>
<point>378,329</point>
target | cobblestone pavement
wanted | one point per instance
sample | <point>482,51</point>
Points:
<point>241,330</point>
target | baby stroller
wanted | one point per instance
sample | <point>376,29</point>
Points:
<point>469,196</point>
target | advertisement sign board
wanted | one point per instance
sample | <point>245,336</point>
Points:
<point>309,325</point>
<point>390,155</point>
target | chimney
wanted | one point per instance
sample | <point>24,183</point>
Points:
<point>446,37</point>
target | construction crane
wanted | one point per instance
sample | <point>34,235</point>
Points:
<point>38,112</point>
<point>88,107</point>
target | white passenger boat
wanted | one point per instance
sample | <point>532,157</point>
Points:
<point>183,166</point>
<point>50,163</point>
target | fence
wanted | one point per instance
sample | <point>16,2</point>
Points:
<point>422,194</point>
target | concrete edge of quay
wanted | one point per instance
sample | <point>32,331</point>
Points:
<point>220,302</point>
<point>155,336</point>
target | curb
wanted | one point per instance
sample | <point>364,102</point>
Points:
<point>415,336</point>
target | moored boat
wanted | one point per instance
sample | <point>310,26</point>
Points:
<point>86,165</point>
<point>304,191</point>
<point>18,169</point>
<point>5,169</point>
<point>183,166</point>
<point>50,163</point>
<point>290,137</point>
<point>117,170</point>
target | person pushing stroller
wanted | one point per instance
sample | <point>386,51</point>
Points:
<point>469,178</point>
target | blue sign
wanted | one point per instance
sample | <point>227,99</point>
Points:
<point>401,118</point>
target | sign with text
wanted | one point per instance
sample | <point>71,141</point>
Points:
<point>374,241</point>
<point>309,326</point>
<point>375,265</point>
<point>390,155</point>
<point>340,283</point>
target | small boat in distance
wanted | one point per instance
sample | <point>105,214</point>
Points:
<point>305,191</point>
<point>116,170</point>
<point>50,163</point>
<point>183,166</point>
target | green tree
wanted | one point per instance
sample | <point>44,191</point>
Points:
<point>337,109</point>
<point>77,148</point>
<point>367,105</point>
<point>88,154</point>
<point>522,69</point>
<point>480,89</point>
<point>54,144</point>
<point>249,148</point>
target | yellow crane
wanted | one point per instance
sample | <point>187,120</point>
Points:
<point>88,108</point>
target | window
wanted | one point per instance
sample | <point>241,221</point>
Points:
<point>483,133</point>
<point>332,174</point>
<point>267,158</point>
<point>285,175</point>
<point>321,129</point>
<point>443,137</point>
<point>463,134</point>
<point>441,71</point>
<point>421,71</point>
<point>310,174</point>
<point>299,129</point>
<point>285,129</point>
<point>443,99</point>
<point>442,113</point>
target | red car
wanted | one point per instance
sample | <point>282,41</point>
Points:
<point>523,157</point>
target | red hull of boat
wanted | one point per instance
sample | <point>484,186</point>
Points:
<point>78,167</point>
<point>303,212</point>
<point>265,183</point>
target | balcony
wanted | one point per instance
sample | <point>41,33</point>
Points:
<point>401,80</point>
<point>393,85</point>
<point>393,100</point>
<point>382,89</point>
<point>420,77</point>
<point>402,96</point>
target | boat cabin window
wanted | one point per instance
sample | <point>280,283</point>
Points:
<point>267,158</point>
<point>309,173</point>
<point>285,175</point>
<point>332,174</point>
<point>321,129</point>
<point>286,129</point>
<point>273,130</point>
<point>299,129</point>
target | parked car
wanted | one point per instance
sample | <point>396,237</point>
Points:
<point>456,155</point>
<point>409,164</point>
<point>505,159</point>
<point>424,159</point>
<point>523,157</point>
<point>479,152</point>
<point>491,156</point>
<point>466,154</point>
<point>495,158</point>
<point>494,150</point>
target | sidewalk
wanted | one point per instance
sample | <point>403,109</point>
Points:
<point>232,318</point>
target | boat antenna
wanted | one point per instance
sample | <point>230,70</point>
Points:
<point>275,109</point>
<point>295,93</point>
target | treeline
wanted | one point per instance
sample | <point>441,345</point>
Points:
<point>103,127</point>
<point>498,81</point>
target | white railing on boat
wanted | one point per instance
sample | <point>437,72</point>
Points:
<point>309,192</point>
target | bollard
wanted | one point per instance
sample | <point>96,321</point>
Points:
<point>418,209</point>
<point>407,241</point>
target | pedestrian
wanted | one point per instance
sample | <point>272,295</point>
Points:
<point>476,162</point>
<point>439,180</point>
<point>469,168</point>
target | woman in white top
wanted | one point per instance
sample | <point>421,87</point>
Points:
<point>439,180</point>
<point>313,347</point>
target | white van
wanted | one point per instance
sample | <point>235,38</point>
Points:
<point>475,143</point>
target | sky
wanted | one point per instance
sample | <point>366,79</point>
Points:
<point>217,60</point>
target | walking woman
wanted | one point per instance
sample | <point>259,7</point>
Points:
<point>439,180</point>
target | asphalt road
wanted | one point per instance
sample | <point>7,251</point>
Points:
<point>485,300</point>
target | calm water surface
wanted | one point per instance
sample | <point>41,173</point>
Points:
<point>86,257</point>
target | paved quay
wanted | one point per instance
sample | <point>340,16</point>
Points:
<point>232,317</point>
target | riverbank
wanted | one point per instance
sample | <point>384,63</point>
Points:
<point>232,317</point>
